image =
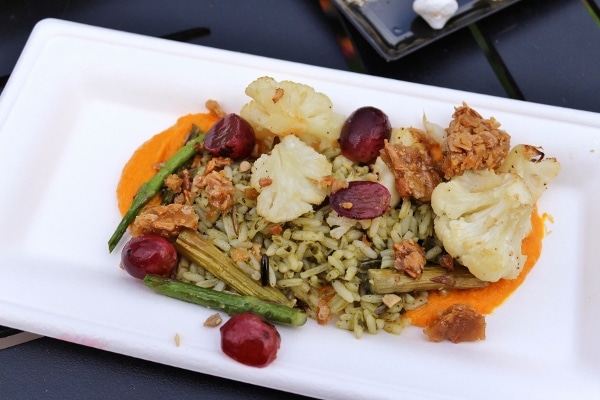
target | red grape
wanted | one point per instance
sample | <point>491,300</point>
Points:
<point>364,133</point>
<point>148,254</point>
<point>250,340</point>
<point>361,200</point>
<point>231,136</point>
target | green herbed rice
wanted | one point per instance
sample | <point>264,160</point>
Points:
<point>319,252</point>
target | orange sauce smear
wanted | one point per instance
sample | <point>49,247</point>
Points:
<point>141,167</point>
<point>486,299</point>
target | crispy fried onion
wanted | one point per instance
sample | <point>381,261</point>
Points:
<point>167,221</point>
<point>219,190</point>
<point>217,186</point>
<point>409,258</point>
<point>473,143</point>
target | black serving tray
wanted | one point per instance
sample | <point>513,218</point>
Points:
<point>395,30</point>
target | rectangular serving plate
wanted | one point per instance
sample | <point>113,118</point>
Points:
<point>79,102</point>
<point>395,30</point>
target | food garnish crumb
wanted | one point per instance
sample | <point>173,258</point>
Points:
<point>458,323</point>
<point>390,300</point>
<point>213,321</point>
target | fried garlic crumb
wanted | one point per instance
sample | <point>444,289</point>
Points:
<point>213,321</point>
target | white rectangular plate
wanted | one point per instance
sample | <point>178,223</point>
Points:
<point>82,99</point>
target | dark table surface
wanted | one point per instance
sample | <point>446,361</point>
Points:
<point>545,52</point>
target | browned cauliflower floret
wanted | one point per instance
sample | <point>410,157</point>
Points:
<point>414,159</point>
<point>473,143</point>
<point>290,108</point>
<point>425,141</point>
<point>530,163</point>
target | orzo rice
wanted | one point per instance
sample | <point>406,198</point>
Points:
<point>319,255</point>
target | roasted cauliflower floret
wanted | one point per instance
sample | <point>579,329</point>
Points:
<point>483,216</point>
<point>289,108</point>
<point>289,180</point>
<point>481,219</point>
<point>473,143</point>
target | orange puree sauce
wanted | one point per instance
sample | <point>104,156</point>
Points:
<point>486,299</point>
<point>141,167</point>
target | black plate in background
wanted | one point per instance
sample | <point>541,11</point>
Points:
<point>395,30</point>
